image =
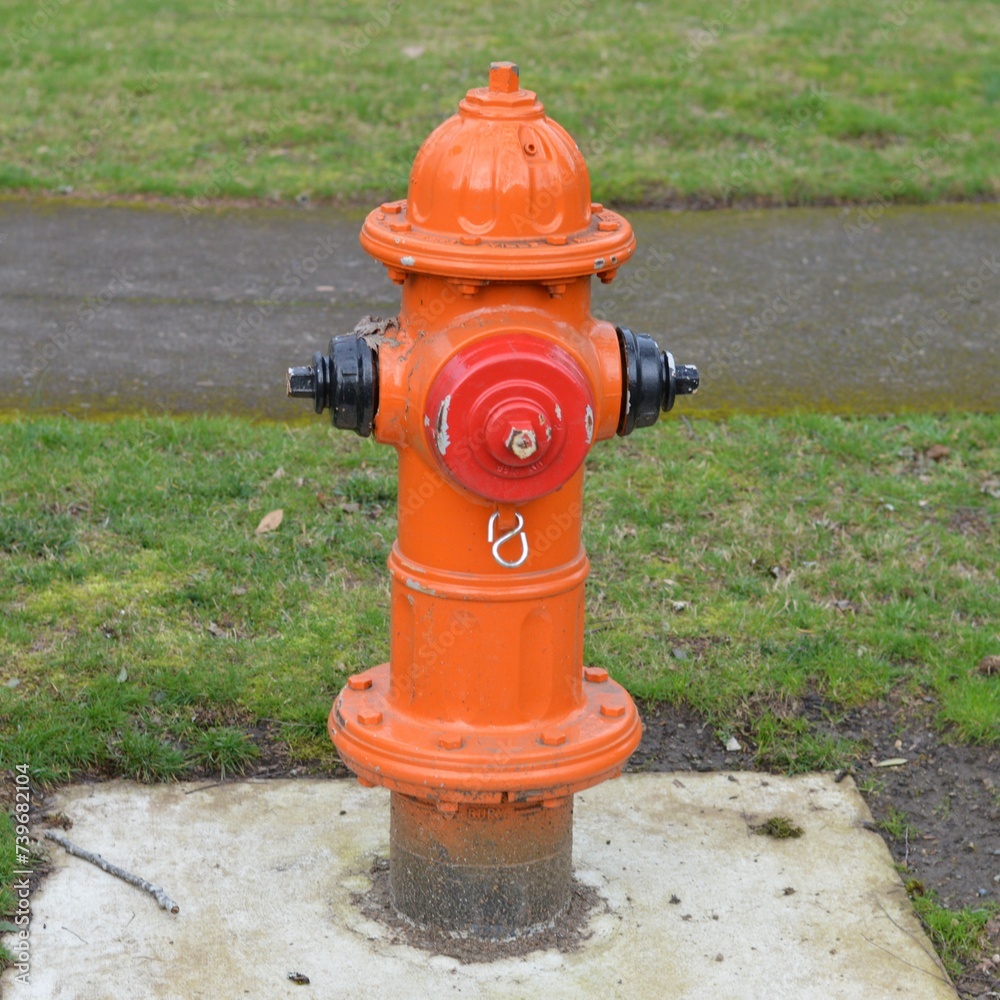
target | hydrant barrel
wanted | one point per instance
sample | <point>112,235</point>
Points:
<point>493,383</point>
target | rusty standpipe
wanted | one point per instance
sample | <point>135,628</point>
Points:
<point>493,384</point>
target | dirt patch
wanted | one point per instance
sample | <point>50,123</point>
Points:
<point>566,933</point>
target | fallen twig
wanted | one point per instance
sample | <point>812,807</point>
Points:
<point>95,859</point>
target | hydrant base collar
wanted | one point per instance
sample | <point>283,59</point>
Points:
<point>450,762</point>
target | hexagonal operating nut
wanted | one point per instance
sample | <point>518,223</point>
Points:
<point>522,443</point>
<point>301,382</point>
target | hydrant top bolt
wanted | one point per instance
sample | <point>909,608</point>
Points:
<point>553,737</point>
<point>369,717</point>
<point>522,443</point>
<point>596,675</point>
<point>610,711</point>
<point>450,742</point>
<point>686,380</point>
<point>504,78</point>
<point>359,683</point>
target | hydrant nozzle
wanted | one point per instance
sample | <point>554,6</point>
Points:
<point>493,387</point>
<point>345,380</point>
<point>652,380</point>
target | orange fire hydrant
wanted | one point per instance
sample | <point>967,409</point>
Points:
<point>493,384</point>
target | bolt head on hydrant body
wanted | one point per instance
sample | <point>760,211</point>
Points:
<point>493,384</point>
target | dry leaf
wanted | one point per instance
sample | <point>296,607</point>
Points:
<point>937,452</point>
<point>270,522</point>
<point>989,666</point>
<point>892,762</point>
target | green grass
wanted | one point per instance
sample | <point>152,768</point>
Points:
<point>791,745</point>
<point>223,749</point>
<point>898,826</point>
<point>774,100</point>
<point>147,631</point>
<point>958,935</point>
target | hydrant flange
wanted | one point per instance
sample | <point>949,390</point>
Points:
<point>452,761</point>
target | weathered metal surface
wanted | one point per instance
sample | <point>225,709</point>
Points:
<point>491,871</point>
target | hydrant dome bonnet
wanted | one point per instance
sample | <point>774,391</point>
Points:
<point>499,189</point>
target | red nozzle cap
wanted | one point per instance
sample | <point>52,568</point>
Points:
<point>510,418</point>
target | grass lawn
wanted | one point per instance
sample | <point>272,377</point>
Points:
<point>770,100</point>
<point>735,566</point>
<point>147,631</point>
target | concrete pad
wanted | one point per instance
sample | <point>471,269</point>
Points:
<point>264,871</point>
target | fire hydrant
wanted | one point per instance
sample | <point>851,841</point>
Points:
<point>493,384</point>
